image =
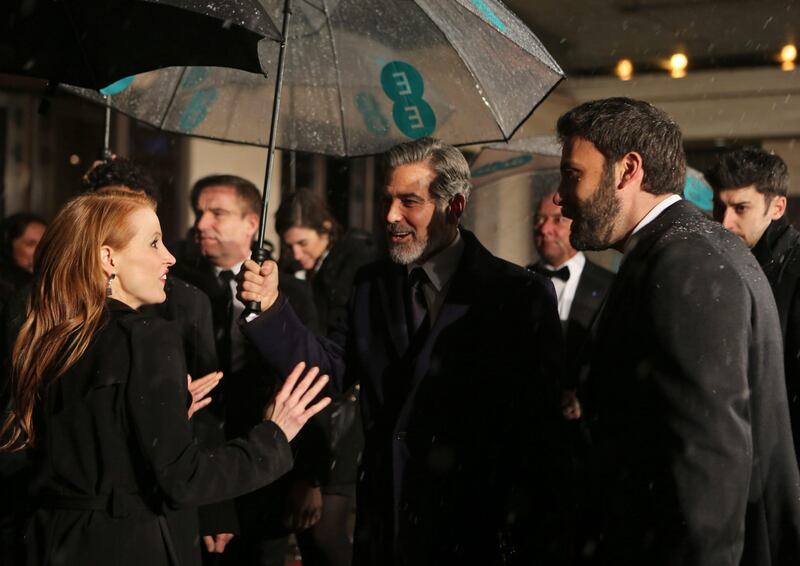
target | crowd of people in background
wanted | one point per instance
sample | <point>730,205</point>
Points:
<point>470,411</point>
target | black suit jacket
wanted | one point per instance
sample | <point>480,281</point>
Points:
<point>459,427</point>
<point>592,289</point>
<point>778,252</point>
<point>118,473</point>
<point>692,461</point>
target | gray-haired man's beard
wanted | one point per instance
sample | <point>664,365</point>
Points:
<point>407,252</point>
<point>593,221</point>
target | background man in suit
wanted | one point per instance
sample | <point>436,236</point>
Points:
<point>692,458</point>
<point>227,211</point>
<point>750,188</point>
<point>580,284</point>
<point>458,355</point>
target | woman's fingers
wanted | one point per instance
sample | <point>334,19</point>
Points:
<point>302,387</point>
<point>313,391</point>
<point>289,384</point>
<point>315,408</point>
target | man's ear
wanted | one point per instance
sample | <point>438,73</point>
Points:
<point>456,208</point>
<point>777,208</point>
<point>107,259</point>
<point>252,220</point>
<point>632,170</point>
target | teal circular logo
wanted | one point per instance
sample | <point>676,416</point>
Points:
<point>404,86</point>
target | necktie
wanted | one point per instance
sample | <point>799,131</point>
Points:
<point>417,303</point>
<point>224,329</point>
<point>562,273</point>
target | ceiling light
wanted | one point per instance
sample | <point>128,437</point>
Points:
<point>677,65</point>
<point>788,57</point>
<point>624,69</point>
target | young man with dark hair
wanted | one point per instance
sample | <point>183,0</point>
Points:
<point>691,451</point>
<point>750,187</point>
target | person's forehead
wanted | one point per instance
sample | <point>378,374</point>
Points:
<point>580,151</point>
<point>411,178</point>
<point>547,207</point>
<point>220,196</point>
<point>739,195</point>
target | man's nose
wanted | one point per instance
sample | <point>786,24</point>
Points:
<point>296,252</point>
<point>728,219</point>
<point>393,213</point>
<point>203,221</point>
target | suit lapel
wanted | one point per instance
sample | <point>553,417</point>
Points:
<point>462,293</point>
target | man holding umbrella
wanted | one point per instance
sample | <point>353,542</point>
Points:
<point>459,355</point>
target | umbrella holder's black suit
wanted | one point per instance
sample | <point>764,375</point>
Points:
<point>693,462</point>
<point>458,423</point>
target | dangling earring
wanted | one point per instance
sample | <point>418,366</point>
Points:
<point>111,278</point>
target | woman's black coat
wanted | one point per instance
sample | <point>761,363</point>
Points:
<point>118,473</point>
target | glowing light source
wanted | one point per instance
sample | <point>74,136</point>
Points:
<point>788,57</point>
<point>677,65</point>
<point>74,159</point>
<point>624,69</point>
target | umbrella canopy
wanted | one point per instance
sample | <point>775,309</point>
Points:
<point>517,157</point>
<point>92,43</point>
<point>361,76</point>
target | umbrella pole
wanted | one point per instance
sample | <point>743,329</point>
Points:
<point>260,255</point>
<point>107,134</point>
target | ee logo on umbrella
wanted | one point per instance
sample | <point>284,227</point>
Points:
<point>403,84</point>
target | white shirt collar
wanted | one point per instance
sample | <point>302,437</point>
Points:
<point>236,268</point>
<point>649,217</point>
<point>575,263</point>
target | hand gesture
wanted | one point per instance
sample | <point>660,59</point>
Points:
<point>216,544</point>
<point>290,409</point>
<point>199,388</point>
<point>258,283</point>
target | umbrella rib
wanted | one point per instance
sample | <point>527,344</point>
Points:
<point>172,98</point>
<point>338,75</point>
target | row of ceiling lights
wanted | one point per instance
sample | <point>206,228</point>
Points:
<point>678,63</point>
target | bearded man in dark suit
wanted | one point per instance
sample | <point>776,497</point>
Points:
<point>458,354</point>
<point>691,458</point>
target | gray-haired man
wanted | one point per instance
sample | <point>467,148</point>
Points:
<point>458,354</point>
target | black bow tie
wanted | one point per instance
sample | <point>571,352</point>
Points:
<point>562,273</point>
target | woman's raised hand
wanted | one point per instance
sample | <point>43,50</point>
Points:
<point>290,408</point>
<point>200,388</point>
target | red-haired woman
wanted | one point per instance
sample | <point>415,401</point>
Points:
<point>100,399</point>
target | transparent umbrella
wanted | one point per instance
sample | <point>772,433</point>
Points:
<point>358,76</point>
<point>361,76</point>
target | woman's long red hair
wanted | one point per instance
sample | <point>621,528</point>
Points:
<point>67,300</point>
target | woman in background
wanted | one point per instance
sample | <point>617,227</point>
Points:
<point>101,400</point>
<point>331,445</point>
<point>21,234</point>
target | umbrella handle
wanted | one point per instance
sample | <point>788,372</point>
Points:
<point>260,255</point>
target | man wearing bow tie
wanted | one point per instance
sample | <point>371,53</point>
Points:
<point>580,284</point>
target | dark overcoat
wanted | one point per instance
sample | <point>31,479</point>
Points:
<point>692,458</point>
<point>459,423</point>
<point>118,474</point>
